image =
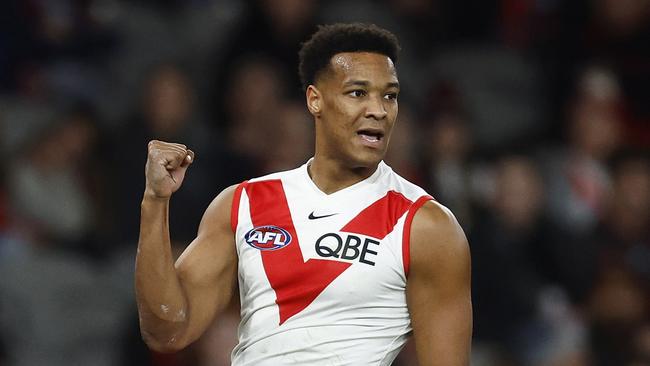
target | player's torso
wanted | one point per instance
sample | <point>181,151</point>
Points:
<point>322,277</point>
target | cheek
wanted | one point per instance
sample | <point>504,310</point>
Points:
<point>392,115</point>
<point>343,114</point>
<point>342,107</point>
<point>392,108</point>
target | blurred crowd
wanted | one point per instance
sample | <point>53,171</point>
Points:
<point>530,119</point>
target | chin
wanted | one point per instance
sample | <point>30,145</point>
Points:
<point>367,159</point>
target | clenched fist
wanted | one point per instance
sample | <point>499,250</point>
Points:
<point>166,167</point>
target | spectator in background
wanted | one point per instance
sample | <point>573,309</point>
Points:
<point>54,49</point>
<point>510,266</point>
<point>291,138</point>
<point>618,302</point>
<point>577,175</point>
<point>48,182</point>
<point>402,155</point>
<point>618,34</point>
<point>618,316</point>
<point>270,30</point>
<point>447,155</point>
<point>52,313</point>
<point>500,89</point>
<point>152,31</point>
<point>167,111</point>
<point>624,233</point>
<point>256,87</point>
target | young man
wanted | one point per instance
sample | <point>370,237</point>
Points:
<point>339,260</point>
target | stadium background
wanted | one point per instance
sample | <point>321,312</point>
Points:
<point>528,118</point>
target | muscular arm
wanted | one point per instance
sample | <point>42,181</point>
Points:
<point>438,288</point>
<point>177,301</point>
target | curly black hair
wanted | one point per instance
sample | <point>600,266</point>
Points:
<point>329,40</point>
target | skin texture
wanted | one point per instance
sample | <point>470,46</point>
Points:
<point>357,93</point>
<point>438,288</point>
<point>177,301</point>
<point>354,104</point>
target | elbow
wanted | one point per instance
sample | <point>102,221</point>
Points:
<point>162,348</point>
<point>170,345</point>
<point>162,332</point>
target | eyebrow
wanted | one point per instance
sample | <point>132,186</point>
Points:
<point>365,83</point>
<point>393,84</point>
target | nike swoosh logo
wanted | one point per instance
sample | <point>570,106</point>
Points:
<point>313,217</point>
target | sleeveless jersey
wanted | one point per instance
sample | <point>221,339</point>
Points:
<point>322,277</point>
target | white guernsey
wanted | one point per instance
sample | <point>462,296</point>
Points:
<point>321,275</point>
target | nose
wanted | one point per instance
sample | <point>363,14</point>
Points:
<point>375,109</point>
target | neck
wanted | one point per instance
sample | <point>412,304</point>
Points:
<point>330,175</point>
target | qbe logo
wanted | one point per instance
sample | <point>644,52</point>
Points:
<point>268,237</point>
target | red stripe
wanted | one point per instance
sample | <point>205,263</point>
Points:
<point>406,234</point>
<point>379,219</point>
<point>234,210</point>
<point>296,282</point>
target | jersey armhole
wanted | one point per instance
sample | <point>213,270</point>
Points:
<point>406,231</point>
<point>234,210</point>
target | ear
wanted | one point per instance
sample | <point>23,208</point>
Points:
<point>314,100</point>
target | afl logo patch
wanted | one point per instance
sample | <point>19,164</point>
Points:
<point>268,237</point>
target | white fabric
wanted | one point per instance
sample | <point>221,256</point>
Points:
<point>361,317</point>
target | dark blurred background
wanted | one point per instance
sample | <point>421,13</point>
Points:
<point>530,119</point>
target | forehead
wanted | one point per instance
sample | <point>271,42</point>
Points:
<point>374,67</point>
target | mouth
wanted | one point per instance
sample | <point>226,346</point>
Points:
<point>371,135</point>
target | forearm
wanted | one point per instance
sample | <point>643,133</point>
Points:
<point>162,303</point>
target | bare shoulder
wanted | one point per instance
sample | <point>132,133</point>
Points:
<point>218,213</point>
<point>437,237</point>
<point>438,289</point>
<point>213,248</point>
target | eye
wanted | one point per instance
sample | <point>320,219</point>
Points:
<point>357,93</point>
<point>391,96</point>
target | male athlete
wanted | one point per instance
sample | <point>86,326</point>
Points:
<point>339,260</point>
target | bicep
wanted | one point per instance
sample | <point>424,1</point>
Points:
<point>207,268</point>
<point>438,288</point>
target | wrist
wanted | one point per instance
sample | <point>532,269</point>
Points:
<point>151,196</point>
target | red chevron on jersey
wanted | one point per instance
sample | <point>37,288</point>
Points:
<point>312,290</point>
<point>296,282</point>
<point>379,219</point>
